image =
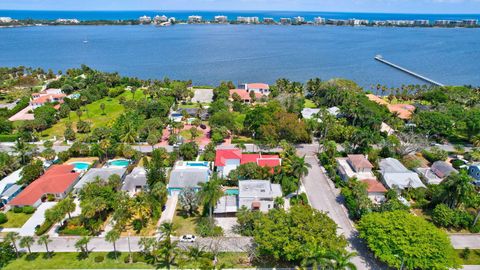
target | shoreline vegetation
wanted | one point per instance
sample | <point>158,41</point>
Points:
<point>7,22</point>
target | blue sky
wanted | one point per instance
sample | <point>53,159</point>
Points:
<point>398,6</point>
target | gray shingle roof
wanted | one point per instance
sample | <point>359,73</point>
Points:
<point>396,175</point>
<point>258,189</point>
<point>138,177</point>
<point>188,177</point>
<point>103,173</point>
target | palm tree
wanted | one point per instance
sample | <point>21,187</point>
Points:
<point>68,206</point>
<point>476,141</point>
<point>300,168</point>
<point>97,150</point>
<point>316,259</point>
<point>112,237</point>
<point>82,245</point>
<point>79,114</point>
<point>22,148</point>
<point>26,242</point>
<point>130,134</point>
<point>169,250</point>
<point>44,240</point>
<point>167,229</point>
<point>12,237</point>
<point>211,193</point>
<point>102,107</point>
<point>341,260</point>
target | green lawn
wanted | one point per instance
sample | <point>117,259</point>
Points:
<point>191,106</point>
<point>472,259</point>
<point>15,220</point>
<point>184,224</point>
<point>71,261</point>
<point>93,114</point>
<point>309,104</point>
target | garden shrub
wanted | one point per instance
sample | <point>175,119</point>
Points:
<point>43,228</point>
<point>207,228</point>
<point>435,154</point>
<point>17,209</point>
<point>28,209</point>
<point>3,218</point>
<point>445,217</point>
<point>99,259</point>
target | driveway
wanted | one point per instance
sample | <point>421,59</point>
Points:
<point>36,219</point>
<point>323,196</point>
<point>461,241</point>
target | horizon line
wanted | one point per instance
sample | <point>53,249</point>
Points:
<point>232,10</point>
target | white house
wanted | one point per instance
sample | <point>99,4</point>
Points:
<point>397,176</point>
<point>258,194</point>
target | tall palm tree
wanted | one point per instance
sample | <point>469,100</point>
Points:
<point>341,260</point>
<point>97,150</point>
<point>68,205</point>
<point>130,134</point>
<point>300,168</point>
<point>169,250</point>
<point>317,259</point>
<point>167,229</point>
<point>112,236</point>
<point>26,242</point>
<point>210,193</point>
<point>45,240</point>
<point>13,237</point>
<point>82,244</point>
<point>22,149</point>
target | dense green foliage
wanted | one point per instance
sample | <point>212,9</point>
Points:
<point>399,236</point>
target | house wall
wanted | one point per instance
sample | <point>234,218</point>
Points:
<point>265,203</point>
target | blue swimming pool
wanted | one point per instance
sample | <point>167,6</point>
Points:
<point>119,163</point>
<point>231,191</point>
<point>82,166</point>
<point>198,164</point>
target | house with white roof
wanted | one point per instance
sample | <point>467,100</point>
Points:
<point>258,194</point>
<point>188,174</point>
<point>9,188</point>
<point>396,176</point>
<point>136,181</point>
<point>355,166</point>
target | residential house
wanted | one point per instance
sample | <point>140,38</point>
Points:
<point>474,171</point>
<point>195,19</point>
<point>102,173</point>
<point>437,172</point>
<point>9,188</point>
<point>188,174</point>
<point>396,175</point>
<point>402,111</point>
<point>376,190</point>
<point>355,166</point>
<point>47,96</point>
<point>244,95</point>
<point>308,113</point>
<point>58,181</point>
<point>261,88</point>
<point>221,19</point>
<point>136,181</point>
<point>227,160</point>
<point>258,194</point>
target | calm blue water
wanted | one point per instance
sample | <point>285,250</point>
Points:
<point>197,164</point>
<point>208,54</point>
<point>119,163</point>
<point>83,166</point>
<point>125,15</point>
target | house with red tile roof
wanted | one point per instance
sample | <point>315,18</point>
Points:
<point>402,111</point>
<point>58,181</point>
<point>261,88</point>
<point>355,166</point>
<point>244,95</point>
<point>227,160</point>
<point>46,96</point>
<point>376,190</point>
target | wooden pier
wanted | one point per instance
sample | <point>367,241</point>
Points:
<point>416,75</point>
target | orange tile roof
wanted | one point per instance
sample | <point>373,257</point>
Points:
<point>374,186</point>
<point>403,111</point>
<point>258,86</point>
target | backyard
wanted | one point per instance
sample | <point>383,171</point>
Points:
<point>94,114</point>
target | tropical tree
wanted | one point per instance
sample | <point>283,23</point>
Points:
<point>112,236</point>
<point>13,237</point>
<point>97,150</point>
<point>167,229</point>
<point>45,240</point>
<point>455,190</point>
<point>26,242</point>
<point>152,139</point>
<point>210,193</point>
<point>189,200</point>
<point>22,149</point>
<point>68,205</point>
<point>82,245</point>
<point>300,169</point>
<point>342,260</point>
<point>102,107</point>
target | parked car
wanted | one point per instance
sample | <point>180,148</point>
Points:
<point>188,238</point>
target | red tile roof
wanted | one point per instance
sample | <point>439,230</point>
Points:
<point>244,94</point>
<point>258,86</point>
<point>262,160</point>
<point>374,186</point>
<point>55,180</point>
<point>222,155</point>
<point>360,162</point>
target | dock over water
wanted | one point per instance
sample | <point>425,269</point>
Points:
<point>416,75</point>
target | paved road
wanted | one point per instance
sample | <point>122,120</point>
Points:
<point>98,244</point>
<point>323,196</point>
<point>460,241</point>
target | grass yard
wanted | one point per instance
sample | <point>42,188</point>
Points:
<point>93,113</point>
<point>70,260</point>
<point>472,259</point>
<point>15,220</point>
<point>184,224</point>
<point>309,104</point>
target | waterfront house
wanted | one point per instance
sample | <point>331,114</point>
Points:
<point>355,166</point>
<point>221,19</point>
<point>195,19</point>
<point>268,20</point>
<point>261,88</point>
<point>136,181</point>
<point>9,188</point>
<point>145,19</point>
<point>309,113</point>
<point>258,194</point>
<point>285,21</point>
<point>319,20</point>
<point>102,173</point>
<point>58,181</point>
<point>227,160</point>
<point>47,96</point>
<point>244,95</point>
<point>188,174</point>
<point>402,111</point>
<point>396,176</point>
<point>474,171</point>
<point>248,20</point>
<point>299,20</point>
<point>375,189</point>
